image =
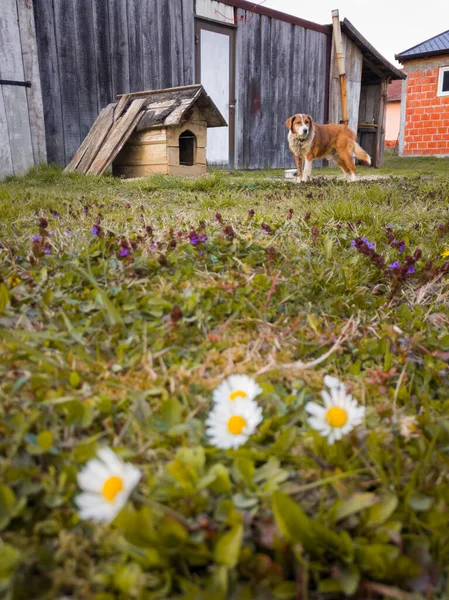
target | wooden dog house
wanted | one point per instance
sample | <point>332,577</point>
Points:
<point>144,133</point>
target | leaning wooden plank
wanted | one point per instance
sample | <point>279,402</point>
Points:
<point>98,140</point>
<point>120,107</point>
<point>90,137</point>
<point>117,137</point>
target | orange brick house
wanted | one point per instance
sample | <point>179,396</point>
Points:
<point>424,128</point>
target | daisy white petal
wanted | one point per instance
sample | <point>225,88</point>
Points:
<point>315,409</point>
<point>107,485</point>
<point>234,387</point>
<point>333,382</point>
<point>327,398</point>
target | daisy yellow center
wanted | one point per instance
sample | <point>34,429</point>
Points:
<point>236,424</point>
<point>336,417</point>
<point>237,394</point>
<point>112,487</point>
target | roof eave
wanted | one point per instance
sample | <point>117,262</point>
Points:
<point>389,70</point>
<point>407,57</point>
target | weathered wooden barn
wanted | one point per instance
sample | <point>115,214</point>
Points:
<point>258,65</point>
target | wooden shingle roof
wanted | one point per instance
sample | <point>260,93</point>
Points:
<point>172,106</point>
<point>437,45</point>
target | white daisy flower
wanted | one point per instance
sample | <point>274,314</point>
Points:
<point>230,424</point>
<point>107,483</point>
<point>339,415</point>
<point>333,382</point>
<point>236,386</point>
<point>408,427</point>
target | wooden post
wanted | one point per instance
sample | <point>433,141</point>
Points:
<point>340,54</point>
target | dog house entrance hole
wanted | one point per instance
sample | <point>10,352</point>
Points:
<point>187,147</point>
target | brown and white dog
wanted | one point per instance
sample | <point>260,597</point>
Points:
<point>308,140</point>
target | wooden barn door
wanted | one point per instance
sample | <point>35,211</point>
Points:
<point>215,70</point>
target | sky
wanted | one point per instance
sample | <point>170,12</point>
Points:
<point>391,26</point>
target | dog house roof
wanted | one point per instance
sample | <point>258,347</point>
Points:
<point>173,106</point>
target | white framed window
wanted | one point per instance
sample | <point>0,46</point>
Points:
<point>443,82</point>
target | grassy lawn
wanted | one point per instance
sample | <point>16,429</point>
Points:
<point>124,304</point>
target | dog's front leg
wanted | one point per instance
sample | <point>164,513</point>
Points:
<point>307,170</point>
<point>298,160</point>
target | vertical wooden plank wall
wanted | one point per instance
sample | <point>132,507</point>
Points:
<point>281,71</point>
<point>91,50</point>
<point>353,64</point>
<point>15,128</point>
<point>31,73</point>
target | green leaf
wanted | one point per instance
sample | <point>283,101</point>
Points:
<point>102,298</point>
<point>292,521</point>
<point>217,479</point>
<point>355,504</point>
<point>227,549</point>
<point>9,559</point>
<point>172,532</point>
<point>7,504</point>
<point>382,511</point>
<point>128,579</point>
<point>169,415</point>
<point>286,440</point>
<point>45,440</point>
<point>328,245</point>
<point>285,591</point>
<point>246,469</point>
<point>47,297</point>
<point>74,379</point>
<point>4,298</point>
<point>350,579</point>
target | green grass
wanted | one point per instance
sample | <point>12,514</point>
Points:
<point>98,348</point>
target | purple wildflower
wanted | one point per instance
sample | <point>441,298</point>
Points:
<point>402,247</point>
<point>36,238</point>
<point>95,230</point>
<point>410,270</point>
<point>47,250</point>
<point>364,239</point>
<point>371,245</point>
<point>203,238</point>
<point>394,265</point>
<point>68,233</point>
<point>194,240</point>
<point>57,215</point>
<point>353,244</point>
<point>124,252</point>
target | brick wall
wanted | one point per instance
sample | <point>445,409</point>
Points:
<point>426,129</point>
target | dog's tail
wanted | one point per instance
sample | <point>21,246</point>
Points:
<point>361,154</point>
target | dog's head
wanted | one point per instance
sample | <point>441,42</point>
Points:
<point>300,124</point>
